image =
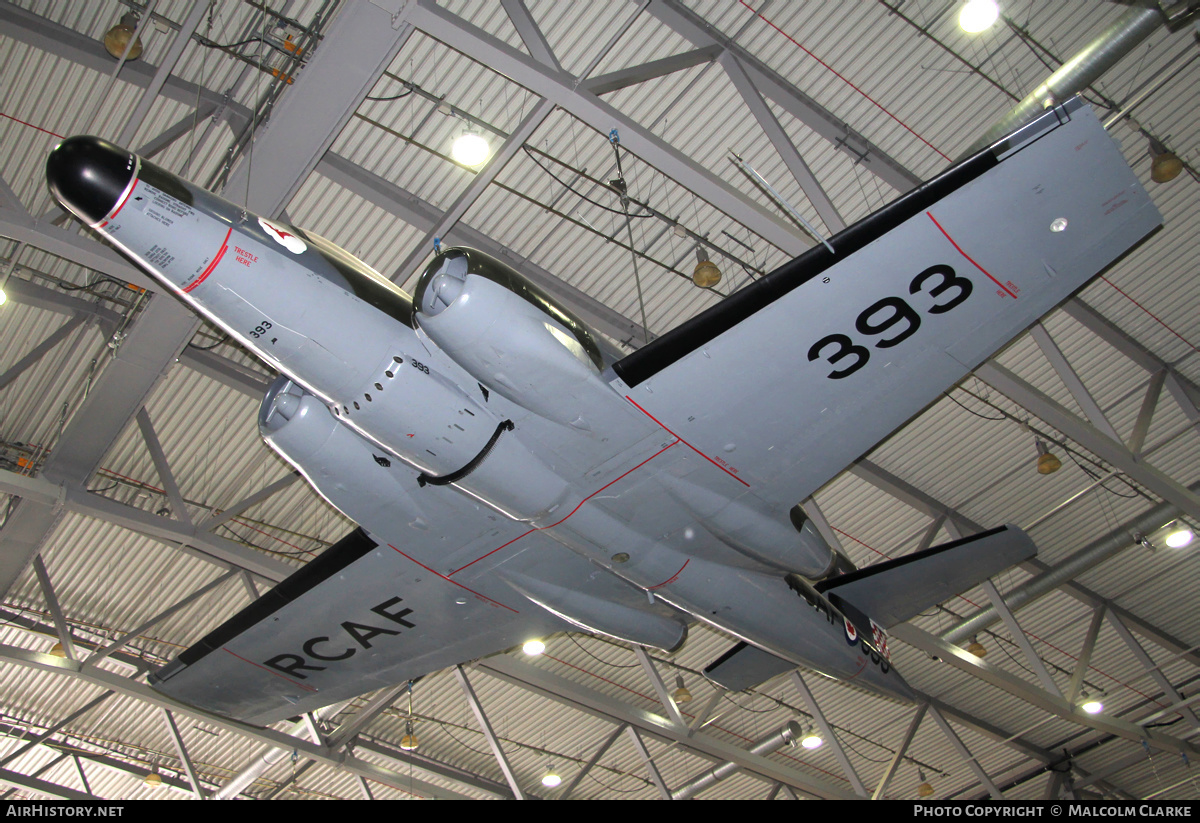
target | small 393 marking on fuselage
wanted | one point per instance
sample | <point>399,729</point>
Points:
<point>356,635</point>
<point>419,366</point>
<point>260,329</point>
<point>892,319</point>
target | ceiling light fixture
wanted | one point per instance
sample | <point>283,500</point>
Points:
<point>551,779</point>
<point>118,37</point>
<point>470,147</point>
<point>1047,463</point>
<point>706,274</point>
<point>1178,535</point>
<point>1164,164</point>
<point>533,647</point>
<point>976,648</point>
<point>681,693</point>
<point>1091,705</point>
<point>811,740</point>
<point>978,15</point>
<point>925,789</point>
<point>409,742</point>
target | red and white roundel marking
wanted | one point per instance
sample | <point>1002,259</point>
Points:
<point>283,237</point>
<point>851,632</point>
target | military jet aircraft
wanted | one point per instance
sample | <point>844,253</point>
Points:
<point>513,475</point>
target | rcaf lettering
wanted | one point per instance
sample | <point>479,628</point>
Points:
<point>360,633</point>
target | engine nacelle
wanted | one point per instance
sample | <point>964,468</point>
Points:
<point>354,475</point>
<point>511,337</point>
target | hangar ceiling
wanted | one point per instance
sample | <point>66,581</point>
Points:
<point>140,508</point>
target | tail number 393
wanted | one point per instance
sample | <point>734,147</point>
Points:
<point>891,320</point>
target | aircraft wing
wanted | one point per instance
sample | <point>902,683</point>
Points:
<point>792,378</point>
<point>425,589</point>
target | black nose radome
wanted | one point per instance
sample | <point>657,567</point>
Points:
<point>88,175</point>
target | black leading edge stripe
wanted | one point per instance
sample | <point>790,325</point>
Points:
<point>706,326</point>
<point>337,557</point>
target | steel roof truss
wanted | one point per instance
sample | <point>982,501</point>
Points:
<point>965,754</point>
<point>1150,666</point>
<point>656,778</point>
<point>828,733</point>
<point>178,508</point>
<point>898,757</point>
<point>1018,635</point>
<point>40,350</point>
<point>803,175</point>
<point>529,32</point>
<point>593,760</point>
<point>181,749</point>
<point>660,688</point>
<point>562,90</point>
<point>488,733</point>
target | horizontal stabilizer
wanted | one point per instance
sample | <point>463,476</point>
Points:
<point>744,667</point>
<point>898,590</point>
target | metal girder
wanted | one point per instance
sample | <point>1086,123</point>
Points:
<point>158,618</point>
<point>36,31</point>
<point>1151,668</point>
<point>1092,439</point>
<point>223,370</point>
<point>1071,380</point>
<point>660,688</point>
<point>176,130</point>
<point>1085,655</point>
<point>800,171</point>
<point>58,497</point>
<point>488,733</point>
<point>965,754</point>
<point>474,189</point>
<point>184,757</point>
<point>441,770</point>
<point>623,78</point>
<point>898,757</point>
<point>417,212</point>
<point>45,786</point>
<point>56,728</point>
<point>593,760</point>
<point>71,246</point>
<point>643,753</point>
<point>828,733</point>
<point>600,705</point>
<point>253,500</point>
<point>561,89</point>
<point>360,44</point>
<point>39,351</point>
<point>1051,703</point>
<point>147,696</point>
<point>911,496</point>
<point>163,72</point>
<point>159,458</point>
<point>823,122</point>
<point>529,32</point>
<point>1018,635</point>
<point>60,620</point>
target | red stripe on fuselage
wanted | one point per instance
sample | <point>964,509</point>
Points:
<point>221,253</point>
<point>560,522</point>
